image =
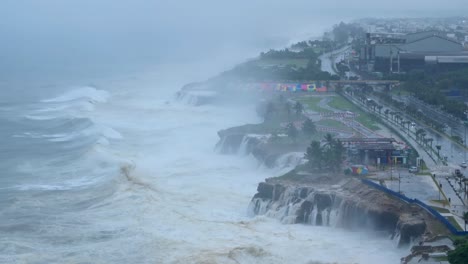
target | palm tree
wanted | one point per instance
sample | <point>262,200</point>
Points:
<point>314,155</point>
<point>329,139</point>
<point>292,132</point>
<point>438,147</point>
<point>299,108</point>
<point>418,133</point>
<point>380,109</point>
<point>408,123</point>
<point>422,137</point>
<point>430,140</point>
<point>386,112</point>
<point>308,128</point>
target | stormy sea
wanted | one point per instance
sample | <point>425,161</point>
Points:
<point>122,171</point>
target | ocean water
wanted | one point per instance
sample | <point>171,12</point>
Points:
<point>122,172</point>
<point>101,164</point>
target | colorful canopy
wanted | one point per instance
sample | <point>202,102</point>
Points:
<point>288,87</point>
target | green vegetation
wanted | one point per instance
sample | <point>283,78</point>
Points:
<point>308,128</point>
<point>443,258</point>
<point>282,118</point>
<point>293,174</point>
<point>432,87</point>
<point>400,91</point>
<point>295,63</point>
<point>440,210</point>
<point>369,121</point>
<point>454,222</point>
<point>342,104</point>
<point>327,156</point>
<point>312,103</point>
<point>333,123</point>
<point>460,254</point>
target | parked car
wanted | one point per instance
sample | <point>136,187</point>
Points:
<point>463,165</point>
<point>413,169</point>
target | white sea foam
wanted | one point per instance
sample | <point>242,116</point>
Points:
<point>87,92</point>
<point>172,198</point>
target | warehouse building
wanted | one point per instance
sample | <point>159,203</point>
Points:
<point>401,53</point>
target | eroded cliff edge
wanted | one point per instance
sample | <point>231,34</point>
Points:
<point>342,203</point>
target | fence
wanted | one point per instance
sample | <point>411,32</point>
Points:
<point>433,212</point>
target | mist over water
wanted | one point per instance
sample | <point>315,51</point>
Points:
<point>100,163</point>
<point>129,175</point>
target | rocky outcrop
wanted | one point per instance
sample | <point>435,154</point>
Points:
<point>197,97</point>
<point>347,204</point>
<point>410,227</point>
<point>237,143</point>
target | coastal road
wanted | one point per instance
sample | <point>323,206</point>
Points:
<point>329,59</point>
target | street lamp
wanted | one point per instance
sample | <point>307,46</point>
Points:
<point>465,124</point>
<point>440,190</point>
<point>399,182</point>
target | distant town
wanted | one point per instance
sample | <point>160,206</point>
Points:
<point>380,102</point>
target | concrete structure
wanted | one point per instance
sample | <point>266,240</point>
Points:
<point>375,151</point>
<point>389,52</point>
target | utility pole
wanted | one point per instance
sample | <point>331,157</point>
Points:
<point>399,182</point>
<point>391,169</point>
<point>391,60</point>
<point>464,125</point>
<point>398,62</point>
<point>440,190</point>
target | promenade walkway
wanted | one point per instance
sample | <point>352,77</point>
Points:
<point>457,204</point>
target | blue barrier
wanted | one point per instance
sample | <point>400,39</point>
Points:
<point>431,210</point>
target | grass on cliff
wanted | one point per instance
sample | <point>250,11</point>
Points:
<point>291,175</point>
<point>454,222</point>
<point>440,210</point>
<point>312,103</point>
<point>297,63</point>
<point>333,123</point>
<point>367,120</point>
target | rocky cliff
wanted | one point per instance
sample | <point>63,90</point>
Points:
<point>341,203</point>
<point>269,154</point>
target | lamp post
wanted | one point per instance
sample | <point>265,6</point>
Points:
<point>438,147</point>
<point>464,125</point>
<point>399,182</point>
<point>440,189</point>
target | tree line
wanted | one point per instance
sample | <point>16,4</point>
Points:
<point>328,155</point>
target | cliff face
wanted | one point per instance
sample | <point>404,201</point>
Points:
<point>269,154</point>
<point>349,204</point>
<point>237,143</point>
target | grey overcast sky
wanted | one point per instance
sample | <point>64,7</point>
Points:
<point>67,32</point>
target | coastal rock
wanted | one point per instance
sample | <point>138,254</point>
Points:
<point>349,204</point>
<point>410,227</point>
<point>235,142</point>
<point>264,191</point>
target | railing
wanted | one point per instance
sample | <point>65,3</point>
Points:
<point>429,209</point>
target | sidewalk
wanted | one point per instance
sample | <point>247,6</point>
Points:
<point>443,173</point>
<point>429,160</point>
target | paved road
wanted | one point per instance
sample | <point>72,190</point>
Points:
<point>329,59</point>
<point>424,188</point>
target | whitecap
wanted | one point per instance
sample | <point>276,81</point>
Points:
<point>92,93</point>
